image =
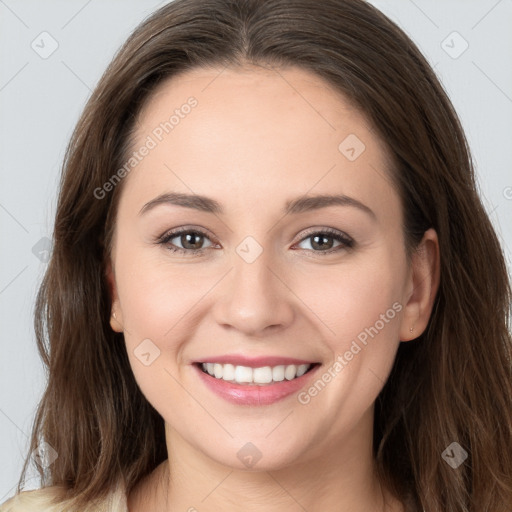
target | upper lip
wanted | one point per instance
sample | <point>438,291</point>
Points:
<point>253,362</point>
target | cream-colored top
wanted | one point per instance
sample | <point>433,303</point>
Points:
<point>43,500</point>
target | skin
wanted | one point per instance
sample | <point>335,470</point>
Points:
<point>257,138</point>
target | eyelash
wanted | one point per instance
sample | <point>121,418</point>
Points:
<point>347,243</point>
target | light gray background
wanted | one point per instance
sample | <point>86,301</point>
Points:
<point>41,99</point>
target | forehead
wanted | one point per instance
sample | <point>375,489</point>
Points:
<point>255,133</point>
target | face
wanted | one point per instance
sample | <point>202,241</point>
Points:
<point>259,275</point>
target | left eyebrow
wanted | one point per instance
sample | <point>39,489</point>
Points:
<point>197,202</point>
<point>298,205</point>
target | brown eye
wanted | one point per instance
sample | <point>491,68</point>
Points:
<point>185,241</point>
<point>191,240</point>
<point>323,242</point>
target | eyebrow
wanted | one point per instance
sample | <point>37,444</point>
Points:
<point>299,205</point>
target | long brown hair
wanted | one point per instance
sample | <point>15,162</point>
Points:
<point>453,384</point>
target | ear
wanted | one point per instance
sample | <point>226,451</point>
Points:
<point>422,286</point>
<point>116,317</point>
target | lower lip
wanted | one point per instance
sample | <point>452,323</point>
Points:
<point>245,394</point>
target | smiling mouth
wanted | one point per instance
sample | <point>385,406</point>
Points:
<point>262,376</point>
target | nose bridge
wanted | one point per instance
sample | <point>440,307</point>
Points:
<point>254,298</point>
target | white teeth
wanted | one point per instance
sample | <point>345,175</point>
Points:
<point>302,369</point>
<point>243,374</point>
<point>218,371</point>
<point>260,376</point>
<point>229,372</point>
<point>290,371</point>
<point>278,373</point>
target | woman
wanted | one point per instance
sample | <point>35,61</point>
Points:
<point>330,334</point>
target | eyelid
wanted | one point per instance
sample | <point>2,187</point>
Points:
<point>171,233</point>
<point>324,230</point>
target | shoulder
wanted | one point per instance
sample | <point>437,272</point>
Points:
<point>52,499</point>
<point>44,499</point>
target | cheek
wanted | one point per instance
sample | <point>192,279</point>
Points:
<point>155,296</point>
<point>157,303</point>
<point>358,306</point>
<point>360,310</point>
<point>148,303</point>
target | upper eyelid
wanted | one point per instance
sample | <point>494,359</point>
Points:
<point>172,233</point>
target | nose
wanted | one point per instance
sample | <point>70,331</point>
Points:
<point>255,299</point>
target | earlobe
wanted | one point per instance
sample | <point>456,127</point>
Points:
<point>115,314</point>
<point>115,324</point>
<point>423,283</point>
